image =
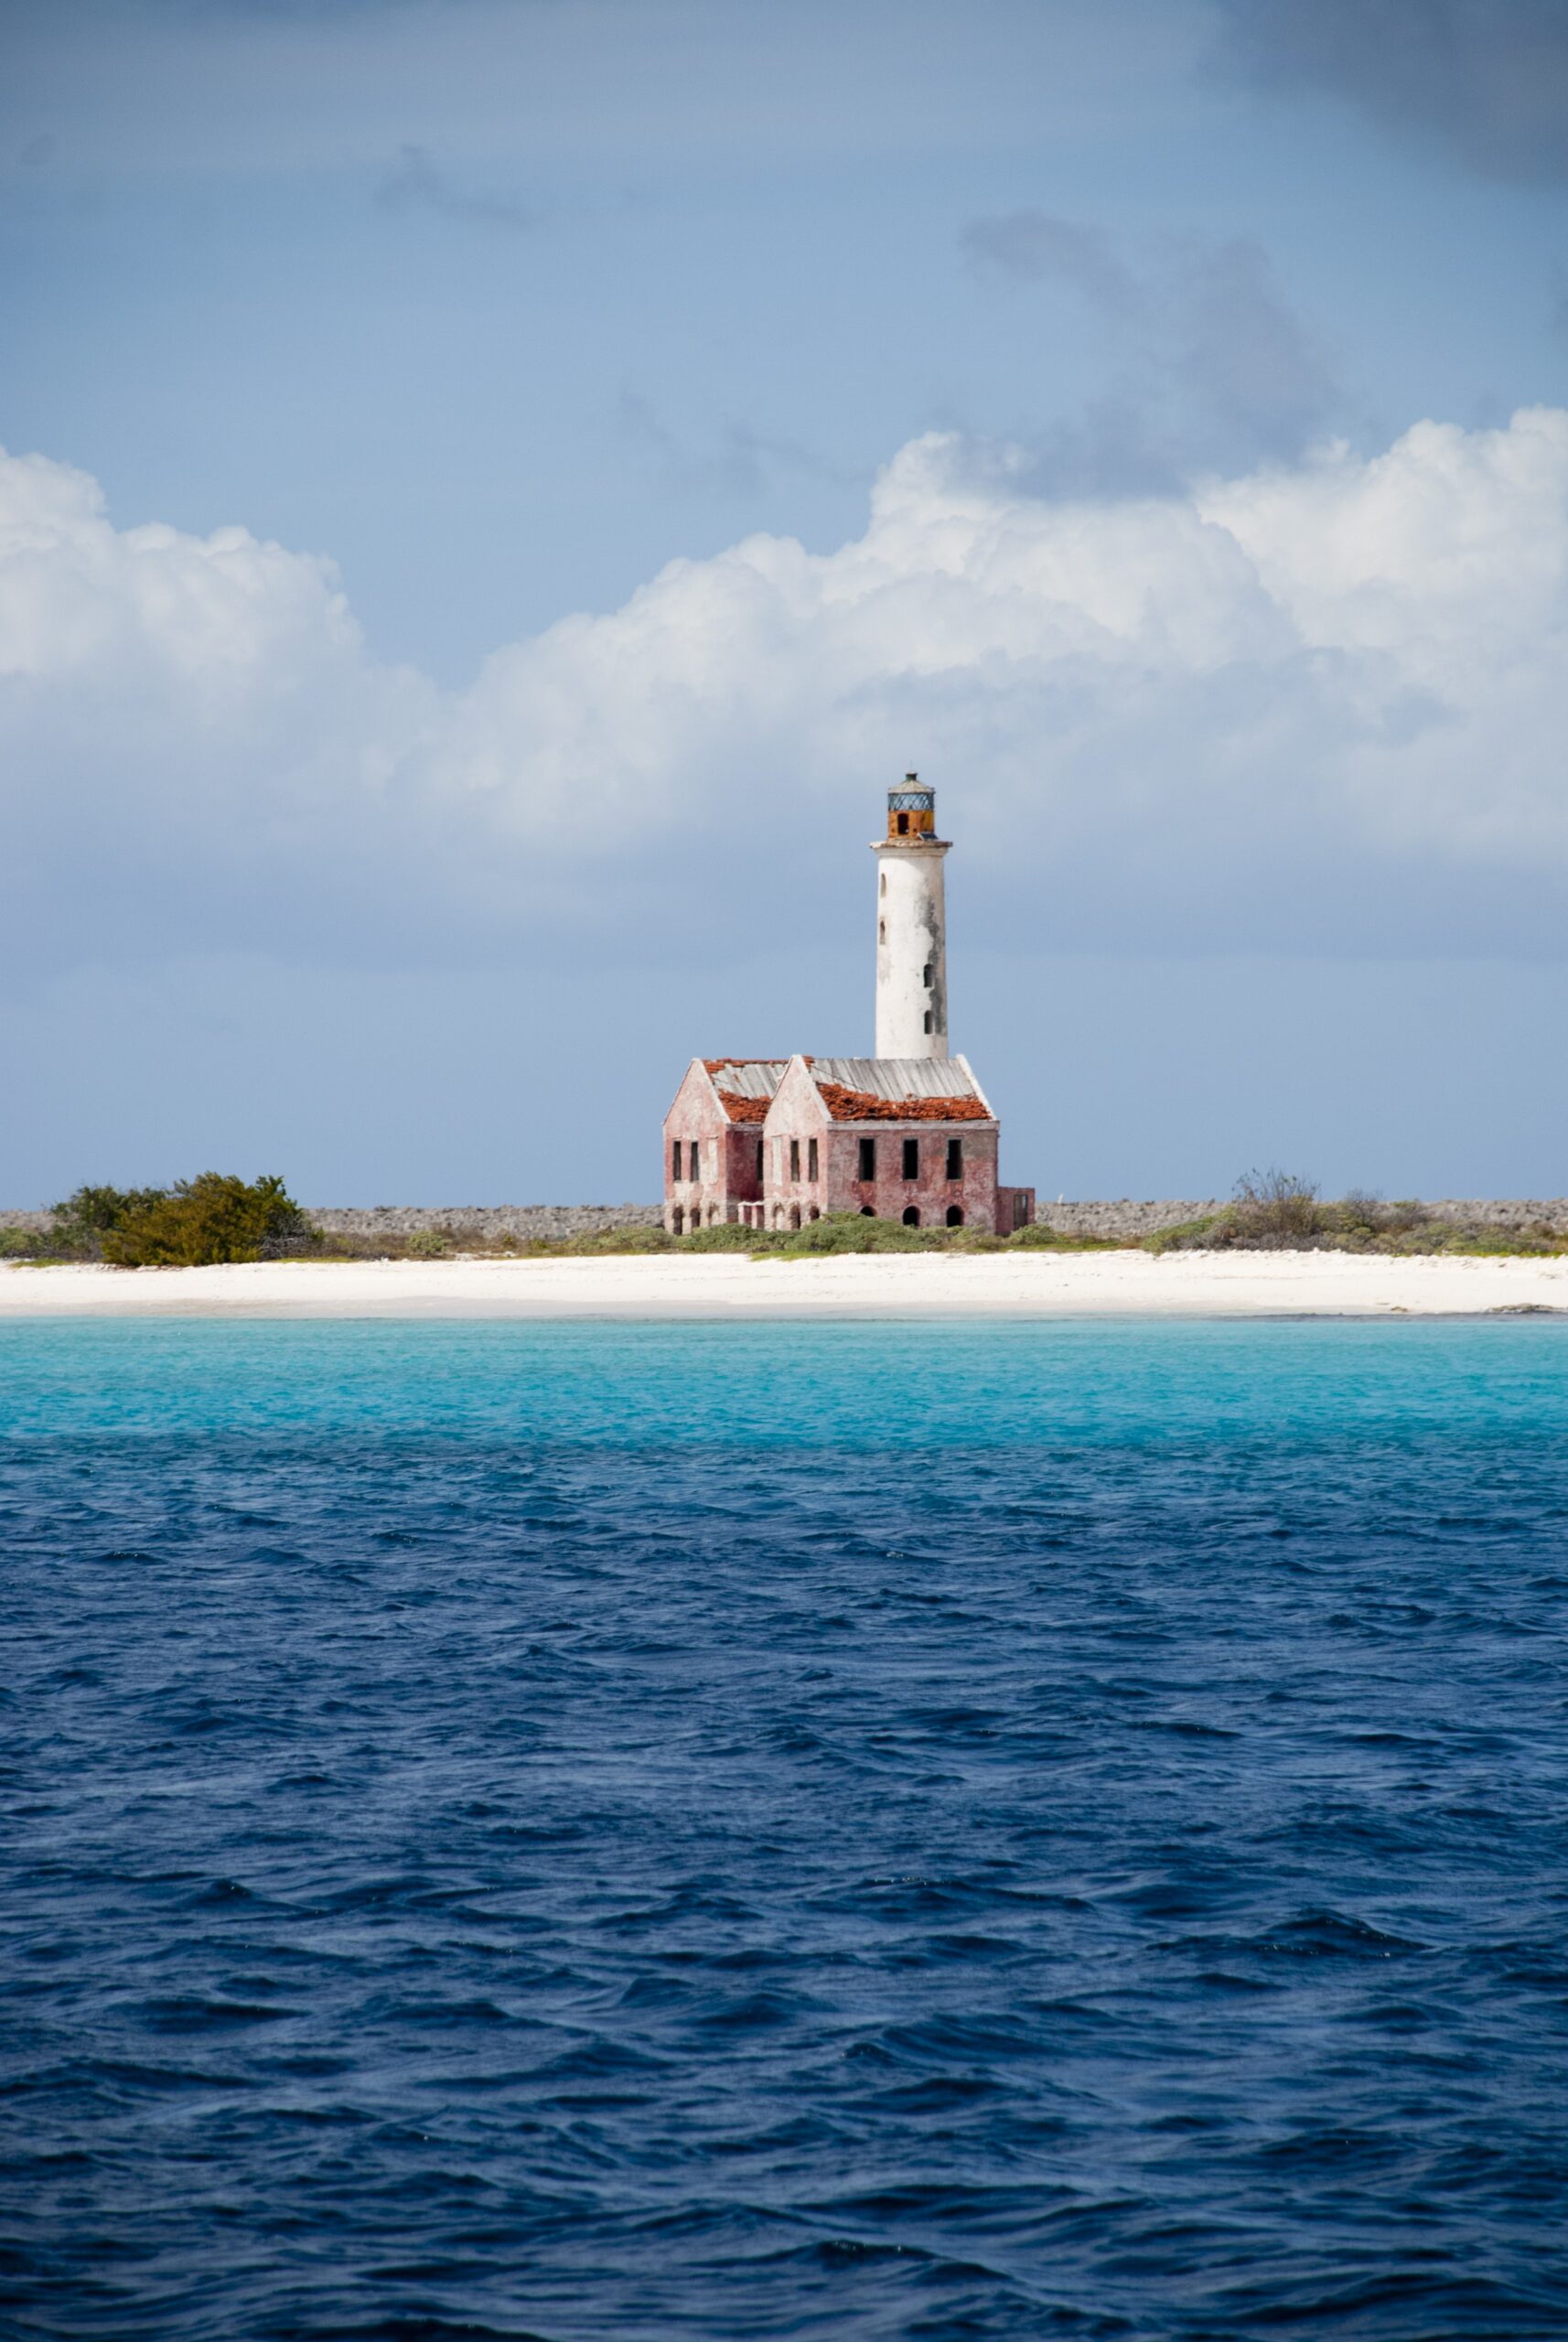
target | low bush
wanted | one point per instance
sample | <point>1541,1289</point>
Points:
<point>854,1231</point>
<point>23,1244</point>
<point>634,1239</point>
<point>200,1221</point>
<point>730,1236</point>
<point>1273,1212</point>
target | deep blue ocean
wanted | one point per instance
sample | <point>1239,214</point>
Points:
<point>694,1833</point>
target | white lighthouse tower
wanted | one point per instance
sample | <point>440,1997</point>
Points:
<point>911,928</point>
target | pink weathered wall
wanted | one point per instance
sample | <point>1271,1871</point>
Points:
<point>696,1115</point>
<point>890,1194</point>
<point>797,1111</point>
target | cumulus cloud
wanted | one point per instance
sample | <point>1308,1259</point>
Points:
<point>1320,699</point>
<point>1487,79</point>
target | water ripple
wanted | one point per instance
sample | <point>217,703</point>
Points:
<point>698,1834</point>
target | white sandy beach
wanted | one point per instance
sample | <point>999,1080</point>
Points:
<point>722,1286</point>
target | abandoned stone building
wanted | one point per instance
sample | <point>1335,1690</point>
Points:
<point>907,1134</point>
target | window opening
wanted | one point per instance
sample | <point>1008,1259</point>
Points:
<point>680,1218</point>
<point>882,888</point>
<point>882,930</point>
<point>794,1158</point>
<point>794,1215</point>
<point>911,1158</point>
<point>955,1217</point>
<point>927,972</point>
<point>903,826</point>
<point>759,1158</point>
<point>955,1159</point>
<point>866,1212</point>
<point>929,1027</point>
<point>911,1218</point>
<point>812,1158</point>
<point>675,1160</point>
<point>696,1216</point>
<point>867,1158</point>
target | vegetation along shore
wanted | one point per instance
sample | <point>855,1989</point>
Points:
<point>217,1217</point>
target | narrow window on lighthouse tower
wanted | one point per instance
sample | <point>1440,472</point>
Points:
<point>882,930</point>
<point>927,972</point>
<point>929,1027</point>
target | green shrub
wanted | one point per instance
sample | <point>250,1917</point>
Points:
<point>1273,1206</point>
<point>428,1243</point>
<point>199,1222</point>
<point>22,1244</point>
<point>852,1231</point>
<point>1187,1235</point>
<point>85,1218</point>
<point>636,1237</point>
<point>729,1236</point>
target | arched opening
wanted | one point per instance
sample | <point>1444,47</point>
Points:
<point>955,1217</point>
<point>778,1215</point>
<point>866,1212</point>
<point>911,1216</point>
<point>794,1215</point>
<point>678,1218</point>
<point>813,1213</point>
<point>696,1215</point>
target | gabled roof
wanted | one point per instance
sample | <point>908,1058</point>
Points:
<point>746,1086</point>
<point>856,1089</point>
<point>899,1089</point>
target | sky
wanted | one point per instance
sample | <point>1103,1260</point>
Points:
<point>495,490</point>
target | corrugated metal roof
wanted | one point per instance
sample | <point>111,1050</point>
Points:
<point>895,1078</point>
<point>747,1076</point>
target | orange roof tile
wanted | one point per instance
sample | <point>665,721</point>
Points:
<point>865,1106</point>
<point>742,1110</point>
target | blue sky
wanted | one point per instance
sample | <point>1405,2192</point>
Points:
<point>413,856</point>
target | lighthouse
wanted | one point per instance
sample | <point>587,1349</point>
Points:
<point>908,1135</point>
<point>911,928</point>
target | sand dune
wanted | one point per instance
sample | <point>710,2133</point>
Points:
<point>1038,1284</point>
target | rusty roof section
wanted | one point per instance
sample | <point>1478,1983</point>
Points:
<point>856,1089</point>
<point>899,1089</point>
<point>865,1106</point>
<point>743,1110</point>
<point>746,1086</point>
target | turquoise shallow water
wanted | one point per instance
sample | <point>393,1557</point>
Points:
<point>834,1831</point>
